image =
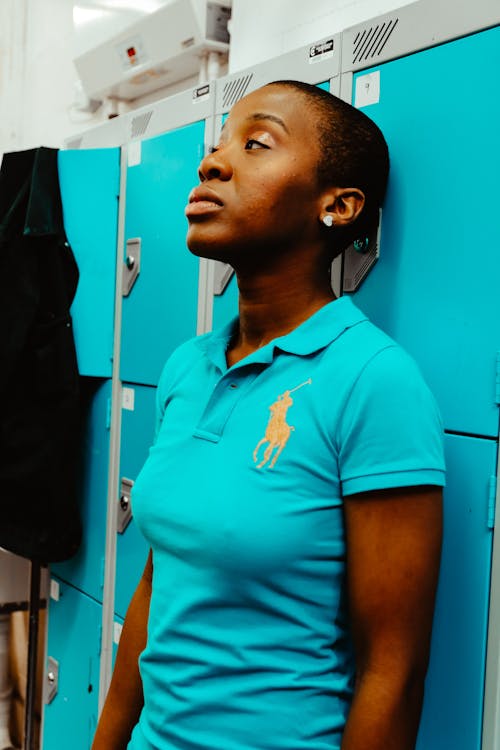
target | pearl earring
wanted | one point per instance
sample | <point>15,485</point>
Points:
<point>328,220</point>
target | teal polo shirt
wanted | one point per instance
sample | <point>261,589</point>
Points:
<point>241,501</point>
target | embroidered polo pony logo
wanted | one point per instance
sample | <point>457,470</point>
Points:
<point>278,430</point>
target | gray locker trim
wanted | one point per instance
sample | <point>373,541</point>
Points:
<point>170,113</point>
<point>206,268</point>
<point>105,670</point>
<point>108,134</point>
<point>491,716</point>
<point>414,27</point>
<point>297,64</point>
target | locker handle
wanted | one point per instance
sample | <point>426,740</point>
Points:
<point>132,265</point>
<point>51,680</point>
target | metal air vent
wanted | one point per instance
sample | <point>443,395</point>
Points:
<point>235,89</point>
<point>369,43</point>
<point>75,143</point>
<point>139,124</point>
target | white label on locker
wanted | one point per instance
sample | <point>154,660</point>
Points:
<point>321,51</point>
<point>117,631</point>
<point>367,89</point>
<point>128,399</point>
<point>201,93</point>
<point>134,153</point>
<point>54,590</point>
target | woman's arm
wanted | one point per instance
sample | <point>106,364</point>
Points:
<point>125,699</point>
<point>393,554</point>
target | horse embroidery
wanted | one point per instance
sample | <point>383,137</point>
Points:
<point>278,430</point>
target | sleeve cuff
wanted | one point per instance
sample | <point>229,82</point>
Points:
<point>385,481</point>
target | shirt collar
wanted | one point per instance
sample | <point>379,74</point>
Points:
<point>315,333</point>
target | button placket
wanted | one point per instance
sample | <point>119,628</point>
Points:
<point>228,391</point>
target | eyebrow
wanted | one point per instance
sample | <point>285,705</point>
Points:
<point>264,116</point>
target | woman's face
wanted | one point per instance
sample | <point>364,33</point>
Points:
<point>258,193</point>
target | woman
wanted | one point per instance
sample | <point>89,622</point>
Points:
<point>292,498</point>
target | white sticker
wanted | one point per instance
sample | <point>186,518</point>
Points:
<point>117,631</point>
<point>321,51</point>
<point>128,399</point>
<point>201,93</point>
<point>134,153</point>
<point>54,590</point>
<point>367,89</point>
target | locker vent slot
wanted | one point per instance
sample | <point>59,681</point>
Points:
<point>75,143</point>
<point>370,42</point>
<point>235,90</point>
<point>356,275</point>
<point>139,124</point>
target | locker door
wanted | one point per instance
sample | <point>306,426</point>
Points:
<point>74,642</point>
<point>138,420</point>
<point>89,189</point>
<point>86,569</point>
<point>453,705</point>
<point>161,310</point>
<point>435,286</point>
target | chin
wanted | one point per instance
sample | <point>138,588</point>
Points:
<point>204,246</point>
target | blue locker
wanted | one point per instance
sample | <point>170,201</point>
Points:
<point>453,705</point>
<point>161,309</point>
<point>136,438</point>
<point>85,570</point>
<point>90,182</point>
<point>74,642</point>
<point>435,287</point>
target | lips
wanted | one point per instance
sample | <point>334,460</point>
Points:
<point>202,201</point>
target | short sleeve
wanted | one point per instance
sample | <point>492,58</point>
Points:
<point>390,433</point>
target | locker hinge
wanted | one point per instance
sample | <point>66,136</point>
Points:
<point>99,647</point>
<point>492,502</point>
<point>108,414</point>
<point>497,381</point>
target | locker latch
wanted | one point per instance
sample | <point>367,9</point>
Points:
<point>124,514</point>
<point>360,257</point>
<point>51,680</point>
<point>222,276</point>
<point>132,265</point>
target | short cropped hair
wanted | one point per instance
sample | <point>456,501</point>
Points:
<point>353,154</point>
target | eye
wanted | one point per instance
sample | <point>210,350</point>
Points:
<point>251,144</point>
<point>213,149</point>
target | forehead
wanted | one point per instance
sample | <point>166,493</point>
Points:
<point>279,102</point>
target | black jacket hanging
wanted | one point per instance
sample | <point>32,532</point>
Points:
<point>39,384</point>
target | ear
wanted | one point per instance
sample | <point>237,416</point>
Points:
<point>344,205</point>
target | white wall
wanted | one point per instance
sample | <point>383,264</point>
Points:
<point>262,29</point>
<point>37,75</point>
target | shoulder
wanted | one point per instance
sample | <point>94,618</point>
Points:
<point>181,361</point>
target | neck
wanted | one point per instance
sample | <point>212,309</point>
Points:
<point>272,305</point>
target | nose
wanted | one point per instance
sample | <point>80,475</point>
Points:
<point>215,165</point>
